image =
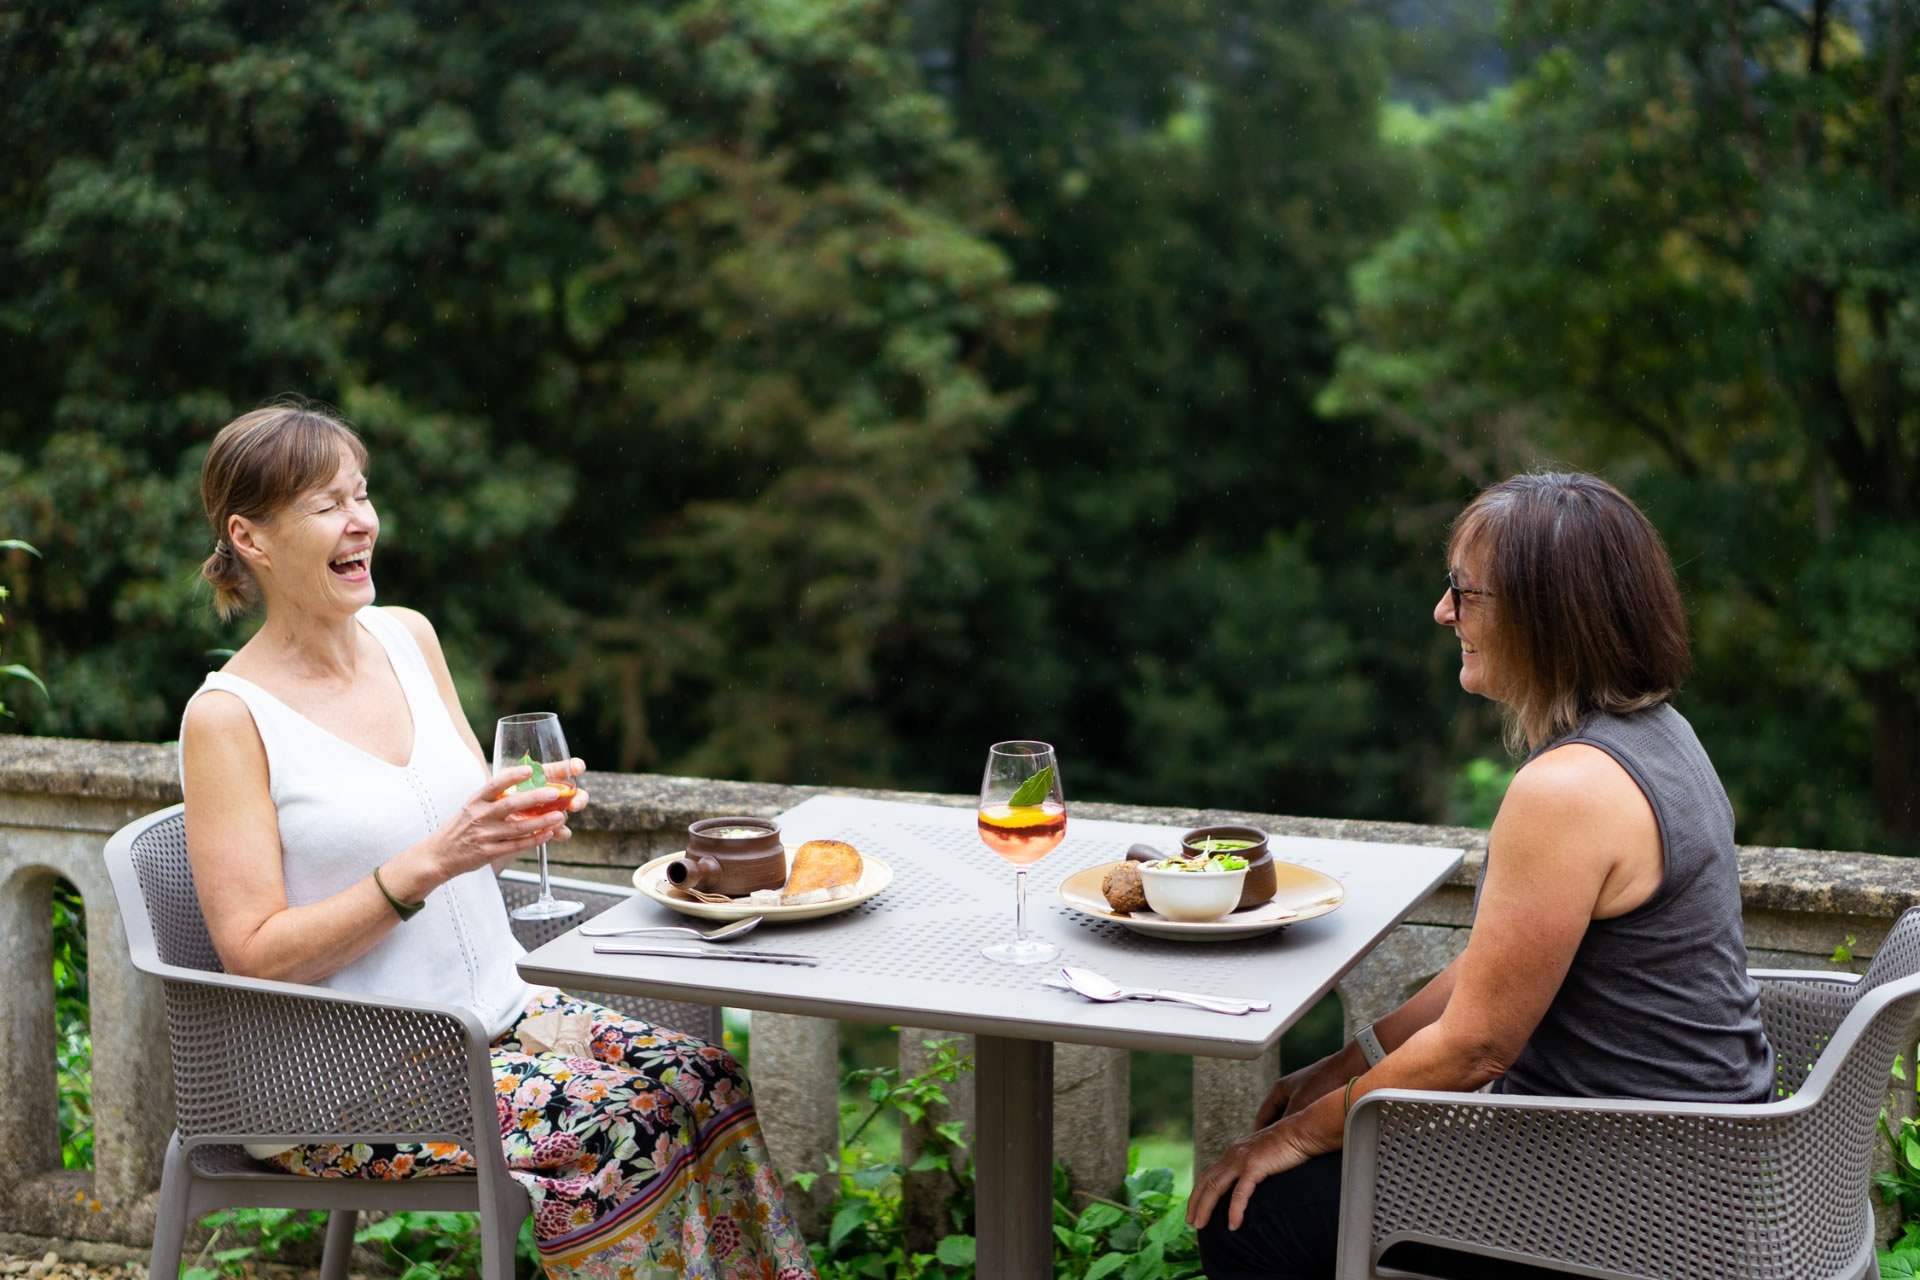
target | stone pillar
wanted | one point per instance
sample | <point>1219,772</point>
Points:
<point>1405,961</point>
<point>796,1075</point>
<point>925,1208</point>
<point>32,1145</point>
<point>132,1092</point>
<point>1226,1093</point>
<point>1090,1118</point>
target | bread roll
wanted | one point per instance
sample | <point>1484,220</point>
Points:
<point>822,871</point>
<point>1122,887</point>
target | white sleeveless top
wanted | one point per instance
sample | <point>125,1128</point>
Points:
<point>343,812</point>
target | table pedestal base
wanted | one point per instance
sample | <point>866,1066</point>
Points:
<point>1013,1158</point>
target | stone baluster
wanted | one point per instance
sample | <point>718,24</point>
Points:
<point>795,1066</point>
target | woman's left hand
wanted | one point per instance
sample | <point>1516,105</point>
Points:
<point>1247,1162</point>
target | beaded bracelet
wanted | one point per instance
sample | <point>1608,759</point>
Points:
<point>405,910</point>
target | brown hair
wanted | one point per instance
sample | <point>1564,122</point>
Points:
<point>1585,614</point>
<point>260,462</point>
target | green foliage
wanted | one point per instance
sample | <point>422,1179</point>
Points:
<point>866,1232</point>
<point>72,1029</point>
<point>1680,249</point>
<point>258,1233</point>
<point>1143,1237</point>
<point>1177,572</point>
<point>1901,1260</point>
<point>1478,788</point>
<point>684,307</point>
<point>15,670</point>
<point>417,1245</point>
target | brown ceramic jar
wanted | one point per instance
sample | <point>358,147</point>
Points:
<point>731,856</point>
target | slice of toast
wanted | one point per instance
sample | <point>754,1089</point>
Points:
<point>822,871</point>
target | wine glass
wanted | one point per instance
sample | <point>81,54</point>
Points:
<point>1023,815</point>
<point>535,739</point>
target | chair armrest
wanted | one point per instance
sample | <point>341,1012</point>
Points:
<point>1529,1177</point>
<point>256,1060</point>
<point>1804,975</point>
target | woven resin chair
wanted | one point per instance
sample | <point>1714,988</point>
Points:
<point>258,1061</point>
<point>1767,1191</point>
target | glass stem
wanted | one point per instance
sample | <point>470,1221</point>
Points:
<point>546,894</point>
<point>1020,905</point>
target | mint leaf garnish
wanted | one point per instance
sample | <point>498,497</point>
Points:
<point>1034,789</point>
<point>539,778</point>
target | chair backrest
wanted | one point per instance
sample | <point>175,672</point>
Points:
<point>147,862</point>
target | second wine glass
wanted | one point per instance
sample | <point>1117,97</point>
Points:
<point>535,739</point>
<point>1023,816</point>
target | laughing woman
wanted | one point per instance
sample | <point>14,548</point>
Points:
<point>1606,957</point>
<point>344,832</point>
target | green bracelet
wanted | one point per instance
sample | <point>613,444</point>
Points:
<point>1346,1104</point>
<point>405,910</point>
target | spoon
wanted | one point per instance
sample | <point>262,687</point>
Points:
<point>1094,987</point>
<point>739,928</point>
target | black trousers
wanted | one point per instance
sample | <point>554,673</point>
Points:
<point>1291,1231</point>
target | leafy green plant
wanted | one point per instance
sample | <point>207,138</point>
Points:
<point>866,1232</point>
<point>72,1030</point>
<point>14,669</point>
<point>1901,1259</point>
<point>1143,1236</point>
<point>418,1246</point>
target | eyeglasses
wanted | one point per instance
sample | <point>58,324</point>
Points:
<point>1459,591</point>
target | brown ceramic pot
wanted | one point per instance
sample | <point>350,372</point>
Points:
<point>1260,883</point>
<point>733,856</point>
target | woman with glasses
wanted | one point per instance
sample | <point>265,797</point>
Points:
<point>1606,957</point>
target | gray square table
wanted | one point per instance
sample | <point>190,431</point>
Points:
<point>912,956</point>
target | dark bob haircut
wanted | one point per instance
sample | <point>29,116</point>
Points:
<point>1585,614</point>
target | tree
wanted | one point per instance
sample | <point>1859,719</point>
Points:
<point>1682,249</point>
<point>665,325</point>
<point>1180,573</point>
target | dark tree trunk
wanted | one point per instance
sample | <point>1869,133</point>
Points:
<point>1896,754</point>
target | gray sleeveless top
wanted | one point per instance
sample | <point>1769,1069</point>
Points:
<point>1657,1002</point>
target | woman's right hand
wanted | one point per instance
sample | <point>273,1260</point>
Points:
<point>488,831</point>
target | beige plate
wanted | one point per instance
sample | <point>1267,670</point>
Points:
<point>651,879</point>
<point>1301,894</point>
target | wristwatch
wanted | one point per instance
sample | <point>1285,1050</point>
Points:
<point>1370,1047</point>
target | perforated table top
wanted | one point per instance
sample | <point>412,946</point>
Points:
<point>912,954</point>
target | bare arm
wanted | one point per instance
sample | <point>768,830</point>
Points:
<point>233,844</point>
<point>1298,1089</point>
<point>1576,840</point>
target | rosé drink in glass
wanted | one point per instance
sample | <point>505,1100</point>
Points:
<point>1022,817</point>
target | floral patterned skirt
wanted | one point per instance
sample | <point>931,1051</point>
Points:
<point>644,1159</point>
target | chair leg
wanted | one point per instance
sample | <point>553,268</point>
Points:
<point>170,1214</point>
<point>503,1207</point>
<point>341,1224</point>
<point>499,1233</point>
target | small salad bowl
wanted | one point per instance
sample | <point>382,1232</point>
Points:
<point>1250,843</point>
<point>1194,889</point>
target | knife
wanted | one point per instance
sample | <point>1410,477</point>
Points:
<point>712,953</point>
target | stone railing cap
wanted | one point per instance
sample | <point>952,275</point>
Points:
<point>1784,879</point>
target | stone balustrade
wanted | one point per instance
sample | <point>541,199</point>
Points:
<point>60,799</point>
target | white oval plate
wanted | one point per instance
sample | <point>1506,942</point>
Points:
<point>1300,894</point>
<point>651,879</point>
